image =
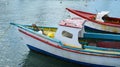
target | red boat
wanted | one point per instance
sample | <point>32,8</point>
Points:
<point>99,22</point>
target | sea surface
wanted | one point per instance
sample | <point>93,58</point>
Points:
<point>14,53</point>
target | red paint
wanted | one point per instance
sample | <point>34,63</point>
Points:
<point>108,44</point>
<point>88,16</point>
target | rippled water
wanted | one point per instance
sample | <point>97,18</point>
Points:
<point>13,52</point>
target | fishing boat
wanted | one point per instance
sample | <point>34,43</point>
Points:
<point>71,43</point>
<point>100,22</point>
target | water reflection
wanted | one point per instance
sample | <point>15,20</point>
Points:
<point>35,59</point>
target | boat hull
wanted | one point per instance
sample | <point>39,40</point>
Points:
<point>95,25</point>
<point>49,47</point>
<point>99,27</point>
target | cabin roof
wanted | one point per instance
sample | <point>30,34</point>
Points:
<point>73,22</point>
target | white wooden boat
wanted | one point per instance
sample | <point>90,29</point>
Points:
<point>100,22</point>
<point>71,43</point>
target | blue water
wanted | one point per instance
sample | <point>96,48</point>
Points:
<point>13,51</point>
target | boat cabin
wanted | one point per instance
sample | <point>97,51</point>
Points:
<point>69,30</point>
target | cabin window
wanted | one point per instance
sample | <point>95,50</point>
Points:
<point>67,34</point>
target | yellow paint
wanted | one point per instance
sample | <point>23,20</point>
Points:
<point>50,29</point>
<point>109,28</point>
<point>51,34</point>
<point>115,30</point>
<point>103,27</point>
<point>72,46</point>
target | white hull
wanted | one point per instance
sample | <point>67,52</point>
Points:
<point>52,48</point>
<point>99,27</point>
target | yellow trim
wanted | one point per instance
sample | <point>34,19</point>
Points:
<point>72,46</point>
